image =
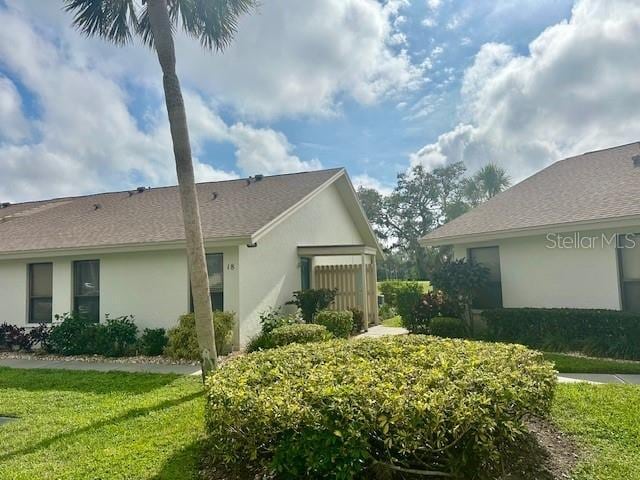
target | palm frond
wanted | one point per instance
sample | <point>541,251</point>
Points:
<point>112,20</point>
<point>213,22</point>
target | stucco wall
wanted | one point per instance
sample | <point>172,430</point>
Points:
<point>152,286</point>
<point>536,276</point>
<point>270,272</point>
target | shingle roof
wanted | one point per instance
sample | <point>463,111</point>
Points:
<point>595,186</point>
<point>119,218</point>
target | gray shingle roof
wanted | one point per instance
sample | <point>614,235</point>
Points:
<point>118,218</point>
<point>595,186</point>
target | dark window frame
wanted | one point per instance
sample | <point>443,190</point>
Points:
<point>623,280</point>
<point>32,297</point>
<point>305,273</point>
<point>82,298</point>
<point>217,298</point>
<point>494,287</point>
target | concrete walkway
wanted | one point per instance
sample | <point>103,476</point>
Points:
<point>598,378</point>
<point>100,366</point>
<point>382,331</point>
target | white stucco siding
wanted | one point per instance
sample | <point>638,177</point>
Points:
<point>534,275</point>
<point>270,272</point>
<point>13,292</point>
<point>151,285</point>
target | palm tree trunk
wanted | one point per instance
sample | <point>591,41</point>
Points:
<point>164,46</point>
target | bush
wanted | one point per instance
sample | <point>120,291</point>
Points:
<point>281,336</point>
<point>407,297</point>
<point>605,333</point>
<point>430,305</point>
<point>74,335</point>
<point>117,337</point>
<point>312,301</point>
<point>359,323</point>
<point>448,327</point>
<point>183,341</point>
<point>338,409</point>
<point>153,341</point>
<point>15,338</point>
<point>274,318</point>
<point>391,288</point>
<point>386,311</point>
<point>339,323</point>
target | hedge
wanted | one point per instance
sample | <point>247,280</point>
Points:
<point>348,408</point>
<point>448,327</point>
<point>607,333</point>
<point>339,323</point>
<point>287,334</point>
<point>183,340</point>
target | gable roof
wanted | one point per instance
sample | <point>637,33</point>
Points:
<point>586,190</point>
<point>233,210</point>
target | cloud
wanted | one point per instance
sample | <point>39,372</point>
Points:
<point>366,181</point>
<point>13,124</point>
<point>576,90</point>
<point>85,138</point>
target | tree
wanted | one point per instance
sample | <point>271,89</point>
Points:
<point>461,280</point>
<point>213,23</point>
<point>372,203</point>
<point>486,183</point>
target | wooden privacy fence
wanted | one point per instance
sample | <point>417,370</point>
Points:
<point>348,280</point>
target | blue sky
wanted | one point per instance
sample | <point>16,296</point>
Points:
<point>375,86</point>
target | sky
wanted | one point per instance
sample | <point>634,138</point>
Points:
<point>375,86</point>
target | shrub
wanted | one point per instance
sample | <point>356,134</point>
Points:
<point>274,318</point>
<point>430,305</point>
<point>312,301</point>
<point>448,327</point>
<point>339,323</point>
<point>337,409</point>
<point>407,298</point>
<point>606,333</point>
<point>40,336</point>
<point>153,341</point>
<point>301,333</point>
<point>74,335</point>
<point>386,311</point>
<point>359,323</point>
<point>14,338</point>
<point>183,341</point>
<point>115,338</point>
<point>391,288</point>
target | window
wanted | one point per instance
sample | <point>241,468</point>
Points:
<point>629,258</point>
<point>40,292</point>
<point>86,289</point>
<point>215,268</point>
<point>490,296</point>
<point>305,273</point>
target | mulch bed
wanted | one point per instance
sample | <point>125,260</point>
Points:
<point>94,358</point>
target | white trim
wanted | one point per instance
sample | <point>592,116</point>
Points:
<point>335,250</point>
<point>609,223</point>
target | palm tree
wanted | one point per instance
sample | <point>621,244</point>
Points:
<point>492,179</point>
<point>213,23</point>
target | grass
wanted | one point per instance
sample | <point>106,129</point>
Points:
<point>604,420</point>
<point>74,425</point>
<point>577,364</point>
<point>393,321</point>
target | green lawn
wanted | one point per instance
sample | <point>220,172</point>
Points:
<point>574,364</point>
<point>393,321</point>
<point>605,421</point>
<point>86,425</point>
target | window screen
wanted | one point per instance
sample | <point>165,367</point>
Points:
<point>629,254</point>
<point>40,292</point>
<point>490,296</point>
<point>86,286</point>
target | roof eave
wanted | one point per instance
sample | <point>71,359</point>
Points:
<point>598,224</point>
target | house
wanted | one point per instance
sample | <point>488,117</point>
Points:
<point>564,237</point>
<point>123,253</point>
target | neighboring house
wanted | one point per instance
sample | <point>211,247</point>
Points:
<point>564,237</point>
<point>124,252</point>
